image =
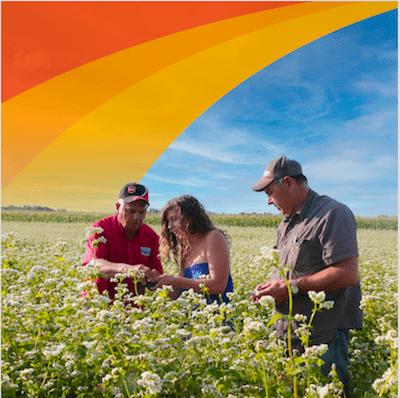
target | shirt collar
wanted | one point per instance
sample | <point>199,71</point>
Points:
<point>303,211</point>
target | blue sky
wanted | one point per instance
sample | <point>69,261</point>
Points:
<point>331,105</point>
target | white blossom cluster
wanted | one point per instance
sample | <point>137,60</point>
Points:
<point>151,382</point>
<point>328,390</point>
<point>388,383</point>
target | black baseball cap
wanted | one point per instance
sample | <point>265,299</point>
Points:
<point>132,192</point>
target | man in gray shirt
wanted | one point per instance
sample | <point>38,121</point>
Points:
<point>317,239</point>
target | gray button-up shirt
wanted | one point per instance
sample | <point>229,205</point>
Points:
<point>320,234</point>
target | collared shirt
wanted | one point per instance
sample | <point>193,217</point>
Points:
<point>141,249</point>
<point>319,235</point>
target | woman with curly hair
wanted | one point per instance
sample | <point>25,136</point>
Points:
<point>194,243</point>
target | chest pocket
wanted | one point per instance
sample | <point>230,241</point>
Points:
<point>299,256</point>
<point>305,256</point>
<point>145,251</point>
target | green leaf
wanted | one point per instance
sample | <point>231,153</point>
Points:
<point>274,319</point>
<point>82,350</point>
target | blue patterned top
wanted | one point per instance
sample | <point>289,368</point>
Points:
<point>195,271</point>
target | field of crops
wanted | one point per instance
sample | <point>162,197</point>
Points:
<point>153,218</point>
<point>56,343</point>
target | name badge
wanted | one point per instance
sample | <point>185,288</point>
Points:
<point>145,251</point>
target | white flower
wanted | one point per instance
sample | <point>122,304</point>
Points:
<point>315,350</point>
<point>54,351</point>
<point>327,304</point>
<point>389,338</point>
<point>251,326</point>
<point>322,391</point>
<point>106,378</point>
<point>267,301</point>
<point>38,268</point>
<point>315,297</point>
<point>387,383</point>
<point>300,318</point>
<point>151,381</point>
<point>93,230</point>
<point>10,271</point>
<point>27,372</point>
<point>270,254</point>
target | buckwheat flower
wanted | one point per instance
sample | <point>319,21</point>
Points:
<point>389,338</point>
<point>105,299</point>
<point>69,364</point>
<point>115,372</point>
<point>182,332</point>
<point>93,230</point>
<point>10,271</point>
<point>48,385</point>
<point>270,254</point>
<point>267,301</point>
<point>54,351</point>
<point>5,379</point>
<point>316,391</point>
<point>106,378</point>
<point>251,326</point>
<point>315,350</point>
<point>315,297</point>
<point>300,318</point>
<point>328,305</point>
<point>57,366</point>
<point>13,303</point>
<point>26,372</point>
<point>116,391</point>
<point>261,345</point>
<point>150,381</point>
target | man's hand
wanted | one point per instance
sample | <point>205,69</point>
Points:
<point>110,269</point>
<point>275,288</point>
<point>337,276</point>
<point>150,275</point>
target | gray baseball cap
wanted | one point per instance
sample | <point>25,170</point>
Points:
<point>277,168</point>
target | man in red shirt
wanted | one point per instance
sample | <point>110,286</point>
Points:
<point>130,244</point>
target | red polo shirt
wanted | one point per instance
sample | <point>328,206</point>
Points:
<point>141,249</point>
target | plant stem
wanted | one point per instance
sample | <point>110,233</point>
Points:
<point>289,331</point>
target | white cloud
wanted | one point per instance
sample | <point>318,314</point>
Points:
<point>190,182</point>
<point>351,166</point>
<point>382,89</point>
<point>204,149</point>
<point>372,122</point>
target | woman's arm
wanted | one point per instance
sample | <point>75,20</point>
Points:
<point>218,258</point>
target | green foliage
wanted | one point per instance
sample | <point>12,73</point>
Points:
<point>63,216</point>
<point>153,218</point>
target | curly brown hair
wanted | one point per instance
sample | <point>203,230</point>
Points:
<point>192,218</point>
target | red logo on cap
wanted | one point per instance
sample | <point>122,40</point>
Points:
<point>131,189</point>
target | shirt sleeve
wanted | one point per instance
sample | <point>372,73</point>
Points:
<point>102,250</point>
<point>338,236</point>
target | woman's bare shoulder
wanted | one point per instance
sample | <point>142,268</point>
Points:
<point>215,235</point>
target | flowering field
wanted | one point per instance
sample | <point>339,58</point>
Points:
<point>56,343</point>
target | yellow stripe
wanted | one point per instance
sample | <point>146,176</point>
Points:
<point>121,139</point>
